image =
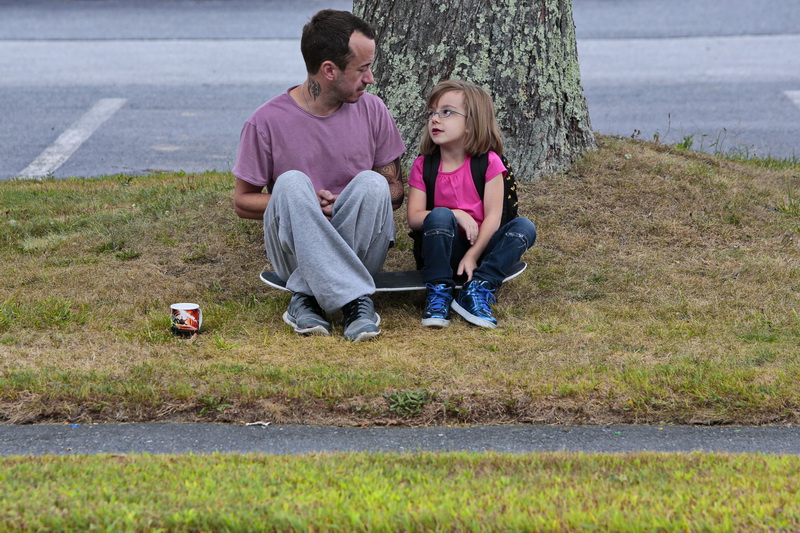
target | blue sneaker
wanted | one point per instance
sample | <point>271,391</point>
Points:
<point>437,305</point>
<point>474,303</point>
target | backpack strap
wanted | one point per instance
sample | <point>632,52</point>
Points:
<point>478,166</point>
<point>430,168</point>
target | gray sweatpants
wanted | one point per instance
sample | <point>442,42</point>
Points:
<point>333,260</point>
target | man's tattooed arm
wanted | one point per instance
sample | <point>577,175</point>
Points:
<point>393,172</point>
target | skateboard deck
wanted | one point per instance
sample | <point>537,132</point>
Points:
<point>400,280</point>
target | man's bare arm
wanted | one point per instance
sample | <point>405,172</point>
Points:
<point>393,172</point>
<point>249,201</point>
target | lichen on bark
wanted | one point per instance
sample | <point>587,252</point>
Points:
<point>524,52</point>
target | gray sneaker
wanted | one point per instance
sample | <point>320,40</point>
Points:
<point>306,316</point>
<point>360,320</point>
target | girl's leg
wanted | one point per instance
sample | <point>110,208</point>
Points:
<point>474,301</point>
<point>504,249</point>
<point>442,246</point>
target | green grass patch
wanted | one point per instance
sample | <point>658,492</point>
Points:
<point>663,288</point>
<point>399,492</point>
<point>50,312</point>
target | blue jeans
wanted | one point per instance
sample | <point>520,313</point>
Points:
<point>443,247</point>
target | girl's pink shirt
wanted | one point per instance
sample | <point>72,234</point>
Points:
<point>456,190</point>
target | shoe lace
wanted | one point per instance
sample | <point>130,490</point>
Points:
<point>309,302</point>
<point>482,295</point>
<point>352,310</point>
<point>438,297</point>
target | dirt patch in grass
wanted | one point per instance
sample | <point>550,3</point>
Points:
<point>664,288</point>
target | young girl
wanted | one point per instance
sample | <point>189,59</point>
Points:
<point>462,234</point>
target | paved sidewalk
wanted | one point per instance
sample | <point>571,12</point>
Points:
<point>158,438</point>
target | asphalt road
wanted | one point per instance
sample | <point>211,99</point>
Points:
<point>209,438</point>
<point>187,74</point>
<point>126,86</point>
<point>724,74</point>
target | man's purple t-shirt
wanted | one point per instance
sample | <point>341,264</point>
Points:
<point>331,150</point>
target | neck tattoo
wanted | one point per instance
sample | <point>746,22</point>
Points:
<point>303,92</point>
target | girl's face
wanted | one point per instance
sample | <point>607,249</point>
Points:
<point>449,131</point>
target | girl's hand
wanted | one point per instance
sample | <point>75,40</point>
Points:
<point>468,224</point>
<point>467,266</point>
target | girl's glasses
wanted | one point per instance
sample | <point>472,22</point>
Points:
<point>443,114</point>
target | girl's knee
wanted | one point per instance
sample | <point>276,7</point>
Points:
<point>522,228</point>
<point>439,218</point>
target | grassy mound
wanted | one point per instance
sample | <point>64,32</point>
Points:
<point>664,288</point>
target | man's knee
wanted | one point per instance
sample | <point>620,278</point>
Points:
<point>370,184</point>
<point>292,183</point>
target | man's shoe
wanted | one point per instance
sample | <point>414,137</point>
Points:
<point>437,305</point>
<point>474,304</point>
<point>306,316</point>
<point>360,320</point>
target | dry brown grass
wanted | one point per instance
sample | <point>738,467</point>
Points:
<point>665,287</point>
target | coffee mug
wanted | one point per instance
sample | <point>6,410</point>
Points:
<point>186,318</point>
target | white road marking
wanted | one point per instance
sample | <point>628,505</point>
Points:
<point>794,96</point>
<point>57,153</point>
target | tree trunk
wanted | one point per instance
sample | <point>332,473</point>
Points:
<point>522,51</point>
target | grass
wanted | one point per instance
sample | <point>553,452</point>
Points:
<point>664,288</point>
<point>402,492</point>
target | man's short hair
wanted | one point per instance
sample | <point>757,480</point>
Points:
<point>326,37</point>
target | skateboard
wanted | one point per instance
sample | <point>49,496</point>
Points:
<point>400,280</point>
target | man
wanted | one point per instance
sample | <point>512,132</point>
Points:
<point>329,156</point>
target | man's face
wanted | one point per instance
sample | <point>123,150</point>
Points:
<point>352,81</point>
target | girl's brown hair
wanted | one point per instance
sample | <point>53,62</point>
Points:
<point>482,133</point>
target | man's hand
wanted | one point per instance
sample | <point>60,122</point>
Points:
<point>326,200</point>
<point>393,172</point>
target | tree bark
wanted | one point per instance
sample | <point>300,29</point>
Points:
<point>522,51</point>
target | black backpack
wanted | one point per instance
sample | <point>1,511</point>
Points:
<point>478,167</point>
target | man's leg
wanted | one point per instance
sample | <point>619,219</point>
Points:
<point>307,250</point>
<point>363,216</point>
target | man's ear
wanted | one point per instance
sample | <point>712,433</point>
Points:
<point>329,70</point>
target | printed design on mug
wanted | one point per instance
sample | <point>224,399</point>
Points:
<point>186,317</point>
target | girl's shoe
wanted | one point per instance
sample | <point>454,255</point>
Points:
<point>474,303</point>
<point>437,305</point>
